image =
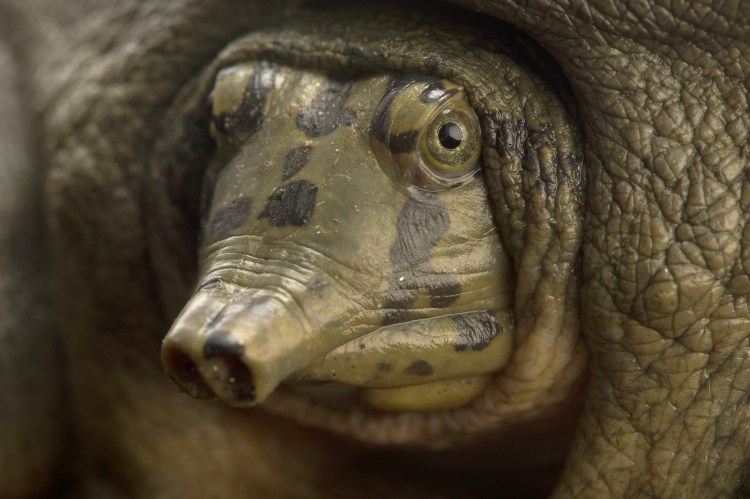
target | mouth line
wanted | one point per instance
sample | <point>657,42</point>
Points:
<point>434,363</point>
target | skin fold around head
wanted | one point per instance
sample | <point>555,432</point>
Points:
<point>530,165</point>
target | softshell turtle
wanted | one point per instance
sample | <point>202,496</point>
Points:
<point>376,236</point>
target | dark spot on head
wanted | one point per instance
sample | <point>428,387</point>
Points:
<point>419,227</point>
<point>444,290</point>
<point>401,294</point>
<point>221,343</point>
<point>326,111</point>
<point>295,161</point>
<point>403,142</point>
<point>475,330</point>
<point>403,290</point>
<point>291,204</point>
<point>433,92</point>
<point>248,117</point>
<point>419,368</point>
<point>229,218</point>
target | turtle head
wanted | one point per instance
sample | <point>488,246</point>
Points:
<point>348,248</point>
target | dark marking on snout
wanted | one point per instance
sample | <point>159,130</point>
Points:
<point>221,343</point>
<point>230,218</point>
<point>384,367</point>
<point>420,368</point>
<point>326,111</point>
<point>475,330</point>
<point>296,159</point>
<point>248,117</point>
<point>291,204</point>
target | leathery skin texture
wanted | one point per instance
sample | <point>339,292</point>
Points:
<point>656,286</point>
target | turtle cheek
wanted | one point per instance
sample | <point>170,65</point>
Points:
<point>289,279</point>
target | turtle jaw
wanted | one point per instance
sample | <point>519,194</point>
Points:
<point>238,344</point>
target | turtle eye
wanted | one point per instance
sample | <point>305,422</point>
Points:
<point>450,144</point>
<point>428,133</point>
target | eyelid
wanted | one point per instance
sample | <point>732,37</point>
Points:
<point>406,116</point>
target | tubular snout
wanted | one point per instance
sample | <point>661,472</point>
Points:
<point>234,346</point>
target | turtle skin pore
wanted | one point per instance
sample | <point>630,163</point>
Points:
<point>614,151</point>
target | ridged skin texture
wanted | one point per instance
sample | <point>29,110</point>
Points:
<point>632,237</point>
<point>662,89</point>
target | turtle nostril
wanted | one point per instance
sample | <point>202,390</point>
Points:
<point>234,379</point>
<point>184,372</point>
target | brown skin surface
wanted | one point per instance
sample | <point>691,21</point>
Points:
<point>662,98</point>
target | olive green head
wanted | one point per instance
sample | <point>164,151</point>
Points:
<point>348,240</point>
<point>380,217</point>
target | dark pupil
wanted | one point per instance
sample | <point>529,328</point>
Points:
<point>450,135</point>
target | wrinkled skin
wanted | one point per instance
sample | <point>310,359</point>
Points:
<point>660,279</point>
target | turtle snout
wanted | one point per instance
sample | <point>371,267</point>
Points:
<point>235,347</point>
<point>212,375</point>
